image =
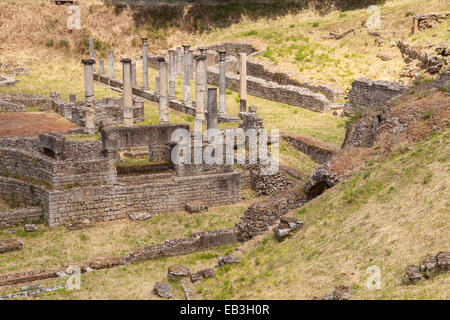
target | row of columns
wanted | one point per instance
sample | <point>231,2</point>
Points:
<point>167,77</point>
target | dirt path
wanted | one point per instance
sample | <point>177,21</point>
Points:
<point>31,123</point>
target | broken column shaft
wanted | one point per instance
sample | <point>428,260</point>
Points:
<point>186,74</point>
<point>200,88</point>
<point>144,64</point>
<point>212,108</point>
<point>222,82</point>
<point>101,66</point>
<point>171,74</point>
<point>243,82</point>
<point>133,73</point>
<point>127,93</point>
<point>111,63</point>
<point>89,94</point>
<point>179,61</point>
<point>163,99</point>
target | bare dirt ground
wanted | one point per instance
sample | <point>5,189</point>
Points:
<point>31,123</point>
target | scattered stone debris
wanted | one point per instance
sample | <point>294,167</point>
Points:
<point>10,231</point>
<point>140,216</point>
<point>10,245</point>
<point>196,207</point>
<point>203,274</point>
<point>339,293</point>
<point>428,20</point>
<point>336,35</point>
<point>430,267</point>
<point>31,287</point>
<point>30,292</point>
<point>384,57</point>
<point>434,265</point>
<point>6,81</point>
<point>78,225</point>
<point>19,71</point>
<point>228,259</point>
<point>177,271</point>
<point>163,290</point>
<point>286,226</point>
<point>30,228</point>
<point>188,290</point>
<point>413,275</point>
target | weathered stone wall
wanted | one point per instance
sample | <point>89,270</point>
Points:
<point>20,216</point>
<point>28,100</point>
<point>6,106</point>
<point>84,164</point>
<point>108,112</point>
<point>104,203</point>
<point>291,95</point>
<point>233,48</point>
<point>317,151</point>
<point>260,215</point>
<point>366,94</point>
<point>24,193</point>
<point>428,20</point>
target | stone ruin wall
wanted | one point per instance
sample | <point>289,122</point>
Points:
<point>366,94</point>
<point>317,151</point>
<point>21,159</point>
<point>108,112</point>
<point>291,95</point>
<point>428,20</point>
<point>19,216</point>
<point>105,203</point>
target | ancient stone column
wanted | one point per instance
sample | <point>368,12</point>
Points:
<point>200,88</point>
<point>144,64</point>
<point>186,74</point>
<point>111,63</point>
<point>212,108</point>
<point>127,93</point>
<point>171,74</point>
<point>91,48</point>
<point>88,78</point>
<point>133,73</point>
<point>243,82</point>
<point>156,85</point>
<point>203,53</point>
<point>178,61</point>
<point>101,66</point>
<point>163,99</point>
<point>89,94</point>
<point>192,66</point>
<point>222,82</point>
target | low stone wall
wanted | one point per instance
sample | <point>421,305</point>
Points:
<point>83,164</point>
<point>233,48</point>
<point>104,203</point>
<point>428,20</point>
<point>20,216</point>
<point>6,106</point>
<point>317,151</point>
<point>24,193</point>
<point>261,215</point>
<point>28,100</point>
<point>196,242</point>
<point>6,81</point>
<point>366,94</point>
<point>272,91</point>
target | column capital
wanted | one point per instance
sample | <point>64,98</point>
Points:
<point>222,54</point>
<point>199,57</point>
<point>202,50</point>
<point>161,59</point>
<point>186,47</point>
<point>88,61</point>
<point>144,40</point>
<point>125,60</point>
<point>171,51</point>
